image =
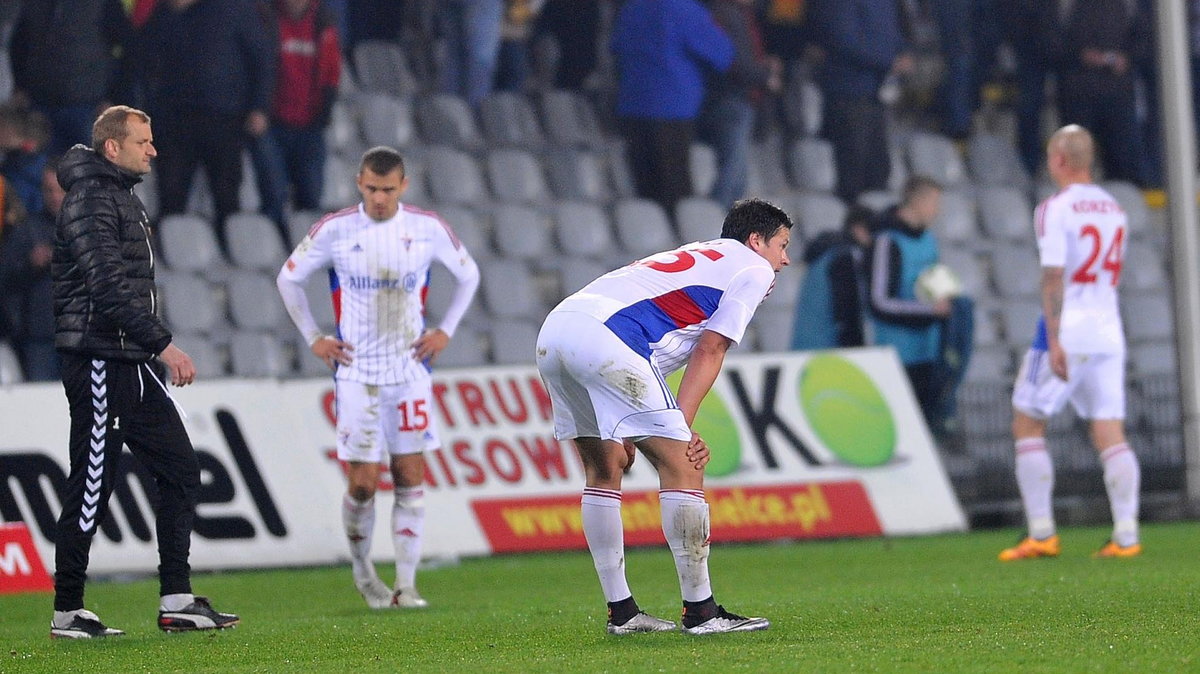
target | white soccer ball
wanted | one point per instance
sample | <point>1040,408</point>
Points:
<point>938,282</point>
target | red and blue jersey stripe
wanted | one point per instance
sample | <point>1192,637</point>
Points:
<point>646,322</point>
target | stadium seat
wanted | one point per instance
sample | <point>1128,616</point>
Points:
<point>812,166</point>
<point>955,223</point>
<point>254,302</point>
<point>970,270</point>
<point>455,178</point>
<point>900,171</point>
<point>257,354</point>
<point>1134,205</point>
<point>417,193</point>
<point>767,174</point>
<point>1020,320</point>
<point>514,341</point>
<point>577,174</point>
<point>1148,316</point>
<point>339,190</point>
<point>620,172</point>
<point>190,303</point>
<point>210,362</point>
<point>817,213</point>
<point>188,243</point>
<point>993,161</point>
<point>516,176</point>
<point>254,242</point>
<point>773,330</point>
<point>936,157</point>
<point>523,233</point>
<point>987,326</point>
<point>990,364</point>
<point>1154,358</point>
<point>307,364</point>
<point>698,219</point>
<point>380,66</point>
<point>510,121</point>
<point>1006,213</point>
<point>446,119</point>
<point>1142,269</point>
<point>1016,270</point>
<point>643,228</point>
<point>583,230</point>
<point>10,365</point>
<point>880,200</point>
<point>576,272</point>
<point>570,120</point>
<point>703,164</point>
<point>467,348</point>
<point>299,222</point>
<point>249,200</point>
<point>509,289</point>
<point>343,130</point>
<point>470,227</point>
<point>440,290</point>
<point>385,120</point>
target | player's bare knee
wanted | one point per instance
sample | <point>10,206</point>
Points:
<point>361,493</point>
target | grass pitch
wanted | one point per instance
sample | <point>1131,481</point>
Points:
<point>937,604</point>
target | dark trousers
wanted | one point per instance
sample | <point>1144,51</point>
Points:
<point>659,152</point>
<point>857,129</point>
<point>115,403</point>
<point>189,138</point>
<point>289,157</point>
<point>1112,119</point>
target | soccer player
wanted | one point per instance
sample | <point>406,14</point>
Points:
<point>1078,353</point>
<point>380,253</point>
<point>604,353</point>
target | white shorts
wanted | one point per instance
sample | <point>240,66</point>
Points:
<point>600,388</point>
<point>374,422</point>
<point>1095,386</point>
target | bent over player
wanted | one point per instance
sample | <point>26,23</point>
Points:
<point>380,253</point>
<point>1078,353</point>
<point>604,353</point>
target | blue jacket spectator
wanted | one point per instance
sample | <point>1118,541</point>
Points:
<point>831,308</point>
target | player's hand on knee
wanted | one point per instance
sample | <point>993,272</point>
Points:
<point>332,351</point>
<point>630,454</point>
<point>430,344</point>
<point>179,365</point>
<point>697,452</point>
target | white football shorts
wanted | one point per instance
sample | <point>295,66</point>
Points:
<point>374,422</point>
<point>600,388</point>
<point>1095,386</point>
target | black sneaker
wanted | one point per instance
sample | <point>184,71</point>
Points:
<point>725,621</point>
<point>198,615</point>
<point>83,625</point>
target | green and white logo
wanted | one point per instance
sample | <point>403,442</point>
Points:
<point>846,411</point>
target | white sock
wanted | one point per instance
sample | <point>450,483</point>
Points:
<point>1035,479</point>
<point>1123,480</point>
<point>359,520</point>
<point>408,523</point>
<point>685,525</point>
<point>601,511</point>
<point>175,602</point>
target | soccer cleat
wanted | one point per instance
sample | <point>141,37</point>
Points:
<point>1032,548</point>
<point>198,615</point>
<point>1111,550</point>
<point>83,625</point>
<point>374,591</point>
<point>408,597</point>
<point>725,621</point>
<point>641,622</point>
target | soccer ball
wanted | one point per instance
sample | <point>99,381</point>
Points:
<point>938,282</point>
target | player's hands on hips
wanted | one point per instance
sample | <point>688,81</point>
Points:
<point>430,344</point>
<point>180,366</point>
<point>1058,360</point>
<point>697,452</point>
<point>332,351</point>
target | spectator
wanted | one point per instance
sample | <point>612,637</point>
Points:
<point>1101,45</point>
<point>664,49</point>
<point>24,134</point>
<point>575,26</point>
<point>63,63</point>
<point>516,31</point>
<point>831,308</point>
<point>291,154</point>
<point>210,71</point>
<point>902,248</point>
<point>863,44</point>
<point>25,284</point>
<point>727,117</point>
<point>1026,22</point>
<point>472,32</point>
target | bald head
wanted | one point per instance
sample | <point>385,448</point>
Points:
<point>1069,155</point>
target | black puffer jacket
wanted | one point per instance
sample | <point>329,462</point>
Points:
<point>103,267</point>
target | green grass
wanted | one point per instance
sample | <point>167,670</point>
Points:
<point>937,604</point>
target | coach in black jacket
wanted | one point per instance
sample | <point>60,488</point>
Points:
<point>109,335</point>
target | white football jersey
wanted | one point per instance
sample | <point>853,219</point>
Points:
<point>1084,230</point>
<point>661,304</point>
<point>378,276</point>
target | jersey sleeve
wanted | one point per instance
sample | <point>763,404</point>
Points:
<point>737,305</point>
<point>1051,233</point>
<point>312,254</point>
<point>453,255</point>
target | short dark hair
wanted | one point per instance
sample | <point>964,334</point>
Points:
<point>382,160</point>
<point>753,215</point>
<point>113,124</point>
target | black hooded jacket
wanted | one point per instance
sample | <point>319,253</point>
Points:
<point>103,266</point>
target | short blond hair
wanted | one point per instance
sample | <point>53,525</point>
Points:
<point>1076,145</point>
<point>112,124</point>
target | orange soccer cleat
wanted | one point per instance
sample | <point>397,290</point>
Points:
<point>1112,550</point>
<point>1032,548</point>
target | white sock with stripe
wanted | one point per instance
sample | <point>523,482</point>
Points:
<point>1035,480</point>
<point>1123,481</point>
<point>685,525</point>
<point>358,517</point>
<point>408,523</point>
<point>601,513</point>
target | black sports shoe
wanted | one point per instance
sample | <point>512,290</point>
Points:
<point>84,625</point>
<point>198,615</point>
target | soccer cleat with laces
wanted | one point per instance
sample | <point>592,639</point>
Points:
<point>375,592</point>
<point>81,624</point>
<point>641,622</point>
<point>724,621</point>
<point>1032,548</point>
<point>198,615</point>
<point>408,597</point>
<point>1111,550</point>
